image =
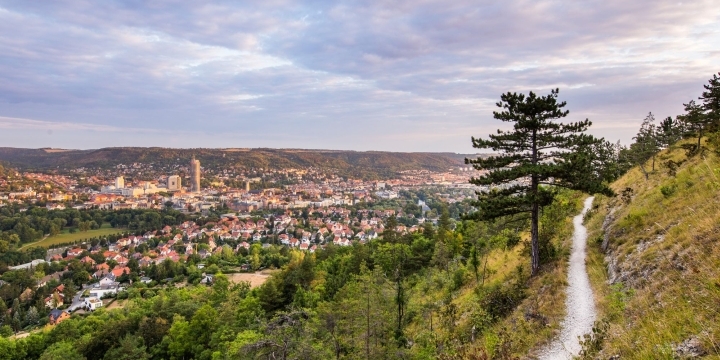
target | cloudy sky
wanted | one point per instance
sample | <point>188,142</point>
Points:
<point>415,75</point>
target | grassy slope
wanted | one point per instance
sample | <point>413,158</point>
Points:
<point>65,236</point>
<point>534,322</point>
<point>667,287</point>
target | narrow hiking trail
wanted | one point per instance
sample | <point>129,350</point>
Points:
<point>580,303</point>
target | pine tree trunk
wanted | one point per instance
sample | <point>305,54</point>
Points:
<point>535,247</point>
<point>535,241</point>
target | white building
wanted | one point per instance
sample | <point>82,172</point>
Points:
<point>174,183</point>
<point>29,265</point>
<point>93,303</point>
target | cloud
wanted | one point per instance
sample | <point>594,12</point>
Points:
<point>9,123</point>
<point>407,75</point>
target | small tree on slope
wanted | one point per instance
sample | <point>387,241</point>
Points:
<point>533,157</point>
<point>711,102</point>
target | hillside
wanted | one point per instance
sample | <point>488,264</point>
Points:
<point>348,163</point>
<point>655,263</point>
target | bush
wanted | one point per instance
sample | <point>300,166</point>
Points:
<point>6,331</point>
<point>458,279</point>
<point>669,190</point>
<point>501,299</point>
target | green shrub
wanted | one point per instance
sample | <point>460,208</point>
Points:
<point>668,190</point>
<point>458,279</point>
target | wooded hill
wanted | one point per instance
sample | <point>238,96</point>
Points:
<point>356,164</point>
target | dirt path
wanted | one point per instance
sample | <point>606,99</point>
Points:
<point>580,304</point>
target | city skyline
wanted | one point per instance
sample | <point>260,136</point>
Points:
<point>406,76</point>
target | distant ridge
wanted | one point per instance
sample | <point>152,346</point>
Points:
<point>356,164</point>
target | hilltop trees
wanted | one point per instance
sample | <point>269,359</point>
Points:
<point>535,156</point>
<point>696,121</point>
<point>711,101</point>
<point>646,144</point>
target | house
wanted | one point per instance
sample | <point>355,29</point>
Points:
<point>54,300</point>
<point>100,291</point>
<point>207,279</point>
<point>58,316</point>
<point>92,303</point>
<point>76,251</point>
<point>145,280</point>
<point>88,260</point>
<point>109,279</point>
<point>46,279</point>
<point>120,270</point>
<point>284,239</point>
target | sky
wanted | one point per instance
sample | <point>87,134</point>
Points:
<point>415,75</point>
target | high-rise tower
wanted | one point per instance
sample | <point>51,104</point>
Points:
<point>194,175</point>
<point>174,183</point>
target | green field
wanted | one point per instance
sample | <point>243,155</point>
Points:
<point>65,236</point>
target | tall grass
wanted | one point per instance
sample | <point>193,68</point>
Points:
<point>664,241</point>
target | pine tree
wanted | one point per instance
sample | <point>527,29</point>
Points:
<point>536,155</point>
<point>711,102</point>
<point>669,131</point>
<point>646,144</point>
<point>696,122</point>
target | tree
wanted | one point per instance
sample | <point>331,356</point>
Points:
<point>545,152</point>
<point>179,339</point>
<point>646,144</point>
<point>130,348</point>
<point>696,122</point>
<point>32,316</point>
<point>390,235</point>
<point>392,260</point>
<point>61,351</point>
<point>711,102</point>
<point>669,131</point>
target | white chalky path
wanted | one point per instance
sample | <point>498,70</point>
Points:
<point>580,304</point>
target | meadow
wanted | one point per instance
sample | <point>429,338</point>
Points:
<point>66,237</point>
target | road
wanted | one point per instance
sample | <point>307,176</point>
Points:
<point>580,303</point>
<point>78,301</point>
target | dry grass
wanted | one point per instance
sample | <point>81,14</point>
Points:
<point>664,244</point>
<point>255,279</point>
<point>533,323</point>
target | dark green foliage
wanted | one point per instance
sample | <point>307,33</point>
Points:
<point>668,190</point>
<point>711,102</point>
<point>646,144</point>
<point>696,122</point>
<point>670,131</point>
<point>501,299</point>
<point>545,152</point>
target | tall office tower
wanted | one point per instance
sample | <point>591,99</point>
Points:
<point>174,183</point>
<point>247,186</point>
<point>194,175</point>
<point>119,182</point>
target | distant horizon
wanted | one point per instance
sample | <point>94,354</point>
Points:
<point>240,148</point>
